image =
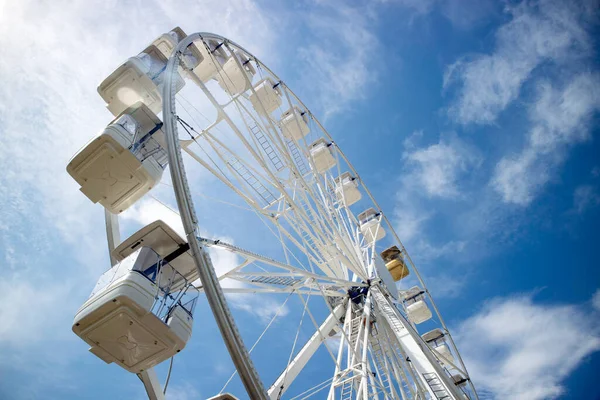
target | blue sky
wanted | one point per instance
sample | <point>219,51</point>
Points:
<point>475,124</point>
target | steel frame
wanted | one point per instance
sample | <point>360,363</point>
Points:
<point>311,221</point>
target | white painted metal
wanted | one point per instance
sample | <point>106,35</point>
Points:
<point>322,156</point>
<point>138,79</point>
<point>266,97</point>
<point>323,333</point>
<point>151,384</point>
<point>124,162</point>
<point>119,322</point>
<point>370,225</point>
<point>294,124</point>
<point>386,277</point>
<point>113,234</point>
<point>206,271</point>
<point>309,222</point>
<point>346,188</point>
<point>163,239</point>
<point>418,312</point>
<point>299,191</point>
<point>236,74</point>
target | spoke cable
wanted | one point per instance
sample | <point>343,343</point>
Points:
<point>259,338</point>
<point>293,346</point>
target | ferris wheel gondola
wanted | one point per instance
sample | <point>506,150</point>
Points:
<point>262,143</point>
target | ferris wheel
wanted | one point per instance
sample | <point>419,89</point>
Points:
<point>206,102</point>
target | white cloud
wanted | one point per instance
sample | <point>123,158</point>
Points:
<point>183,391</point>
<point>418,6</point>
<point>462,13</point>
<point>430,173</point>
<point>341,62</point>
<point>409,216</point>
<point>517,349</point>
<point>560,118</point>
<point>428,251</point>
<point>584,198</point>
<point>438,167</point>
<point>519,178</point>
<point>28,308</point>
<point>596,300</point>
<point>467,14</point>
<point>542,31</point>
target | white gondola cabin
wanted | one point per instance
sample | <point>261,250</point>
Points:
<point>136,316</point>
<point>167,42</point>
<point>213,57</point>
<point>138,79</point>
<point>394,262</point>
<point>436,340</point>
<point>294,124</point>
<point>346,189</point>
<point>124,162</point>
<point>236,75</point>
<point>323,158</point>
<point>165,242</point>
<point>266,97</point>
<point>417,309</point>
<point>370,225</point>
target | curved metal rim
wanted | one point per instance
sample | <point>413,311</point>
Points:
<point>214,294</point>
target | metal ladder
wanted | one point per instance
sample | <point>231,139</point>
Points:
<point>379,359</point>
<point>347,389</point>
<point>431,378</point>
<point>251,180</point>
<point>394,324</point>
<point>305,207</point>
<point>265,143</point>
<point>436,386</point>
<point>277,280</point>
<point>297,156</point>
<point>383,304</point>
<point>306,234</point>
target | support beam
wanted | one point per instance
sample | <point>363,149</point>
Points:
<point>113,235</point>
<point>305,354</point>
<point>151,384</point>
<point>421,356</point>
<point>257,257</point>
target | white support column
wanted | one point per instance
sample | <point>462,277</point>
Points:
<point>113,235</point>
<point>304,355</point>
<point>364,383</point>
<point>151,384</point>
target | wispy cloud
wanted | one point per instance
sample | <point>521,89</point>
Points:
<point>438,167</point>
<point>560,118</point>
<point>584,198</point>
<point>430,172</point>
<point>463,14</point>
<point>596,300</point>
<point>544,31</point>
<point>183,391</point>
<point>518,349</point>
<point>432,176</point>
<point>341,62</point>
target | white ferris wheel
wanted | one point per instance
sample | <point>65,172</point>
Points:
<point>223,110</point>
